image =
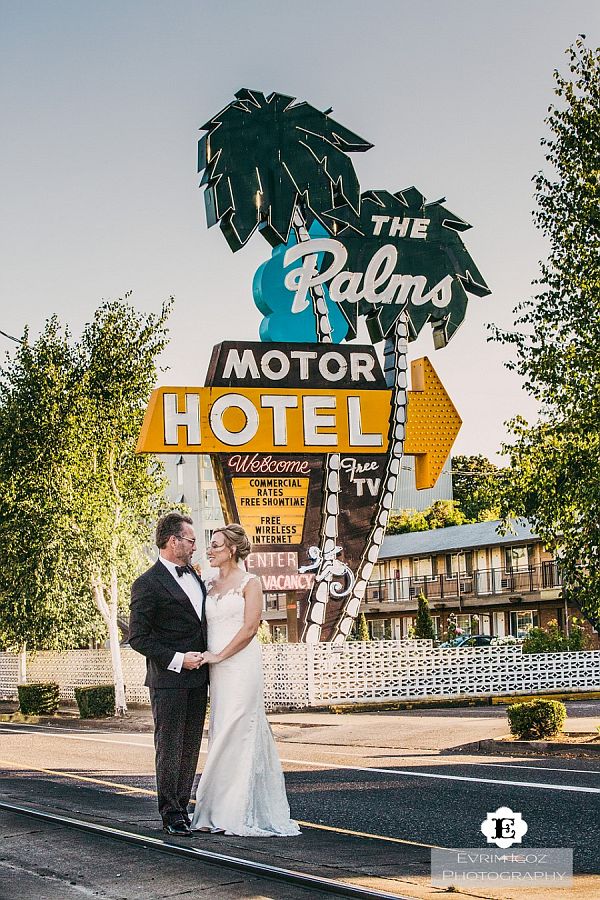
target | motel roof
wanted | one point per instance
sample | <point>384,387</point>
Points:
<point>454,538</point>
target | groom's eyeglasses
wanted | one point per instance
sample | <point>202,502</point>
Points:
<point>180,537</point>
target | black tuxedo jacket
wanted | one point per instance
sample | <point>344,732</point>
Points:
<point>162,622</point>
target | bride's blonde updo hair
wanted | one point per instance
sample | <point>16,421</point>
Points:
<point>236,539</point>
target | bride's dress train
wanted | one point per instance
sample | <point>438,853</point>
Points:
<point>242,789</point>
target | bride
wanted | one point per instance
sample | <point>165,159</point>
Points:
<point>241,790</point>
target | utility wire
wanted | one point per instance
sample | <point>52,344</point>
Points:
<point>11,338</point>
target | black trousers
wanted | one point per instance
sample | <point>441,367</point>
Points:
<point>178,724</point>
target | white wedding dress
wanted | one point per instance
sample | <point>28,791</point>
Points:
<point>241,790</point>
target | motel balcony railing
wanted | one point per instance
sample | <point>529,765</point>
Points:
<point>479,583</point>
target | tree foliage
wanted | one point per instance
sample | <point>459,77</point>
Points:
<point>423,623</point>
<point>360,630</point>
<point>77,504</point>
<point>440,514</point>
<point>553,639</point>
<point>44,596</point>
<point>554,474</point>
<point>476,485</point>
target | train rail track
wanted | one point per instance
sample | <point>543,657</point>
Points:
<point>207,857</point>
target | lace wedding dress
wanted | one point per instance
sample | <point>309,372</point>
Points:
<point>241,790</point>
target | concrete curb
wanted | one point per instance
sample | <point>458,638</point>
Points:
<point>392,705</point>
<point>564,695</point>
<point>19,718</point>
<point>450,703</point>
<point>523,748</point>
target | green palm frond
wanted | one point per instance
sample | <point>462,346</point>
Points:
<point>263,155</point>
<point>442,253</point>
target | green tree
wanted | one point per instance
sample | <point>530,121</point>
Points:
<point>44,596</point>
<point>92,524</point>
<point>120,494</point>
<point>444,513</point>
<point>440,514</point>
<point>405,521</point>
<point>554,473</point>
<point>360,630</point>
<point>476,487</point>
<point>424,623</point>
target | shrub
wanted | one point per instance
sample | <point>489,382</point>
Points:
<point>424,623</point>
<point>536,718</point>
<point>38,698</point>
<point>264,633</point>
<point>552,640</point>
<point>453,631</point>
<point>360,629</point>
<point>95,701</point>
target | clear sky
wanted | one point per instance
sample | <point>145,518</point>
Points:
<point>101,103</point>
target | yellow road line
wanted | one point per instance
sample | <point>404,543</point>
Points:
<point>126,789</point>
<point>123,788</point>
<point>367,834</point>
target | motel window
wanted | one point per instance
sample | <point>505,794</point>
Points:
<point>279,633</point>
<point>521,621</point>
<point>436,627</point>
<point>408,622</point>
<point>437,566</point>
<point>211,498</point>
<point>421,567</point>
<point>459,563</point>
<point>464,623</point>
<point>516,558</point>
<point>380,629</point>
<point>275,601</point>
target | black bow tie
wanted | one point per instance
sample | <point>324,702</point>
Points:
<point>183,570</point>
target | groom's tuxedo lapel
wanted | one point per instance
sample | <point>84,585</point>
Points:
<point>203,618</point>
<point>166,579</point>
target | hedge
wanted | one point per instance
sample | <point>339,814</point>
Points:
<point>95,701</point>
<point>38,698</point>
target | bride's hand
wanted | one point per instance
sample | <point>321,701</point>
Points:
<point>209,658</point>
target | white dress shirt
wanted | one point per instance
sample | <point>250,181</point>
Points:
<point>190,585</point>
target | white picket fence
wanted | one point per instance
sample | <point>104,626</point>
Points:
<point>300,676</point>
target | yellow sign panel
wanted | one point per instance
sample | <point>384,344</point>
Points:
<point>265,420</point>
<point>271,509</point>
<point>432,423</point>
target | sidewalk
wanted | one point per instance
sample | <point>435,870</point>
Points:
<point>422,730</point>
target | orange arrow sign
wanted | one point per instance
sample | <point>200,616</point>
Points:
<point>432,423</point>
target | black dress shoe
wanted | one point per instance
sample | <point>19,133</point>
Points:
<point>178,828</point>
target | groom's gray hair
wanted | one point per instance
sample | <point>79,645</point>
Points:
<point>170,525</point>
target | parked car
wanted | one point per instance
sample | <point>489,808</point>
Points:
<point>470,640</point>
<point>481,640</point>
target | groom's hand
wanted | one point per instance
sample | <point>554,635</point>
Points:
<point>192,660</point>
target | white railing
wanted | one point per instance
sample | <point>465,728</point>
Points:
<point>300,676</point>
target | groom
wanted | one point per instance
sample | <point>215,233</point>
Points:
<point>168,626</point>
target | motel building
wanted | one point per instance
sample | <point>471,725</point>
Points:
<point>497,584</point>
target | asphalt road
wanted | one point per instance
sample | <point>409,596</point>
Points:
<point>396,803</point>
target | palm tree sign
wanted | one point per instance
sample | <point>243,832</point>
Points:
<point>273,164</point>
